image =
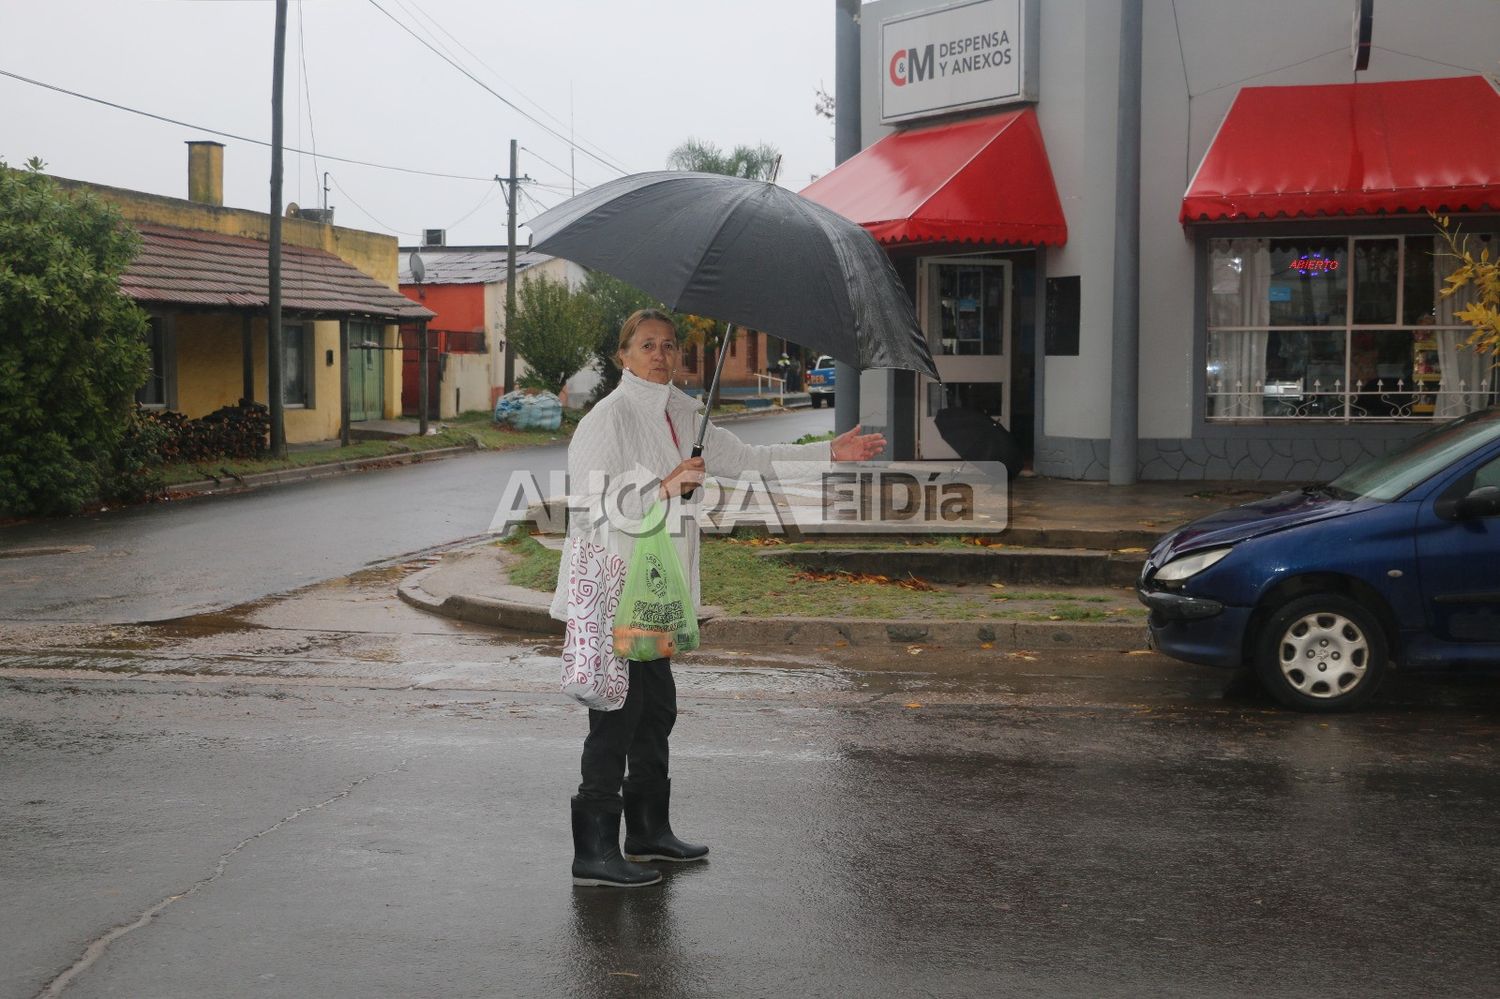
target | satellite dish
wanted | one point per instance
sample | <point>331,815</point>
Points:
<point>418,269</point>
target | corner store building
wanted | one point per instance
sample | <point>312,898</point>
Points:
<point>1288,324</point>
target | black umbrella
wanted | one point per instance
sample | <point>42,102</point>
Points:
<point>746,252</point>
<point>975,436</point>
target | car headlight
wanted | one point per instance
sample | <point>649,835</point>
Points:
<point>1187,566</point>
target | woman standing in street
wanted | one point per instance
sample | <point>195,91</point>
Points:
<point>635,445</point>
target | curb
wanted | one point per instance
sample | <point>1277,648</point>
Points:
<point>760,632</point>
<point>288,475</point>
<point>283,476</point>
<point>478,610</point>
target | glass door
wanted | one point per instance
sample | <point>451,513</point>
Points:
<point>966,314</point>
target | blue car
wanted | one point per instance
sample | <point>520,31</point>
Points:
<point>1320,591</point>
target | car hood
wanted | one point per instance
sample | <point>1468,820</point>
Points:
<point>1253,520</point>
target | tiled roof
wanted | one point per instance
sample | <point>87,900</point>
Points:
<point>209,270</point>
<point>460,266</point>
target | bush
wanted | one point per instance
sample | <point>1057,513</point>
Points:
<point>133,475</point>
<point>552,332</point>
<point>72,346</point>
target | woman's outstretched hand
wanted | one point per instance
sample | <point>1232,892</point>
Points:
<point>688,475</point>
<point>855,446</point>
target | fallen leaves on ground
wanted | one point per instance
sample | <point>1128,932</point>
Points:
<point>868,578</point>
<point>913,704</point>
<point>1131,551</point>
<point>760,542</point>
<point>1022,655</point>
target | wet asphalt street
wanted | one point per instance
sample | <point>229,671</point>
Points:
<point>331,794</point>
<point>167,560</point>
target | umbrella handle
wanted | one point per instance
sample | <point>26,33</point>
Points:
<point>687,494</point>
<point>708,404</point>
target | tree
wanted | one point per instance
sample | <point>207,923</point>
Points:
<point>754,162</point>
<point>554,333</point>
<point>610,302</point>
<point>1483,273</point>
<point>824,104</point>
<point>73,348</point>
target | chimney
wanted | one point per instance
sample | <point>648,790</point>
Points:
<point>206,172</point>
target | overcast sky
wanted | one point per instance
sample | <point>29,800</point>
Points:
<point>635,77</point>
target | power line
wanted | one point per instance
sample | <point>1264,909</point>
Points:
<point>312,130</point>
<point>554,166</point>
<point>540,208</point>
<point>231,135</point>
<point>489,196</point>
<point>573,141</point>
<point>387,227</point>
<point>492,91</point>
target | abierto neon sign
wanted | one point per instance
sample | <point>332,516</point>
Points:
<point>1314,265</point>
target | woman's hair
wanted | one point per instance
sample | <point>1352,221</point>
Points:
<point>627,331</point>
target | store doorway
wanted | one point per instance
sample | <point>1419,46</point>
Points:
<point>966,311</point>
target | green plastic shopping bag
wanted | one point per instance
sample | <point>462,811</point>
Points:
<point>656,618</point>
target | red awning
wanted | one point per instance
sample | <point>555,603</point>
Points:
<point>1352,149</point>
<point>983,180</point>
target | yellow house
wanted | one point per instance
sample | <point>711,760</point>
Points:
<point>201,274</point>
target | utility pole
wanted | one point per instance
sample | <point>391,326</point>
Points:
<point>510,273</point>
<point>846,143</point>
<point>273,278</point>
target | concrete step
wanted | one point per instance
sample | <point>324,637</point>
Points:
<point>1037,566</point>
<point>1103,539</point>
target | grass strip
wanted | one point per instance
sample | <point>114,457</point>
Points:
<point>735,578</point>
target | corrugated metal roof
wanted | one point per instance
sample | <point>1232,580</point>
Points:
<point>460,266</point>
<point>208,270</point>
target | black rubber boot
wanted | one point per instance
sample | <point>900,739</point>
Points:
<point>596,849</point>
<point>648,831</point>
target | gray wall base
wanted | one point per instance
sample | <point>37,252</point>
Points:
<point>1266,459</point>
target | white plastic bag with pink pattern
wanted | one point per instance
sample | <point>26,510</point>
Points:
<point>592,674</point>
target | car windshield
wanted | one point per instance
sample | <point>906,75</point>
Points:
<point>1390,476</point>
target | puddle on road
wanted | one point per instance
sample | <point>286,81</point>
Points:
<point>356,630</point>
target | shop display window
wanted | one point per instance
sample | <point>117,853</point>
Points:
<point>1346,328</point>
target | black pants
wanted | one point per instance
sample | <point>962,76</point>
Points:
<point>636,733</point>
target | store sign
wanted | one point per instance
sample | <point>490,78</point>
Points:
<point>967,55</point>
<point>1314,265</point>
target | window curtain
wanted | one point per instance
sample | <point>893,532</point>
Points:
<point>1243,266</point>
<point>1467,375</point>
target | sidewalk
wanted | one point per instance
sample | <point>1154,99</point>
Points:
<point>1062,534</point>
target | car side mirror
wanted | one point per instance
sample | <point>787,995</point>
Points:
<point>1482,502</point>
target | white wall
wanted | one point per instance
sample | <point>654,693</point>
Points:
<point>1195,60</point>
<point>1196,56</point>
<point>466,385</point>
<point>1077,110</point>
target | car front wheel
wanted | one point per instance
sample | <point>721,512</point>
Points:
<point>1323,652</point>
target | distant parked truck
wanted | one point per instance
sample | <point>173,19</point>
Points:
<point>820,381</point>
